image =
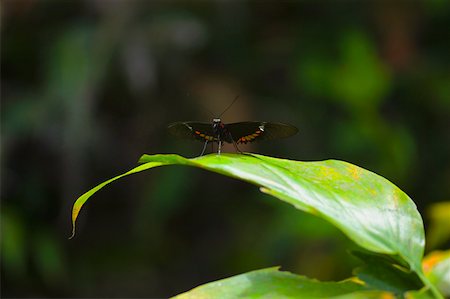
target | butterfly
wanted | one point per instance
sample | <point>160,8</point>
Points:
<point>235,133</point>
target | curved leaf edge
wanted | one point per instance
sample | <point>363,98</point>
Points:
<point>413,264</point>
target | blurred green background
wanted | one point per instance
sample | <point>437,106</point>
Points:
<point>89,86</point>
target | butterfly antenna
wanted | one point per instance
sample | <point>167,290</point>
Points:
<point>229,106</point>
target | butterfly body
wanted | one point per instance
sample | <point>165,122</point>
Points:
<point>236,133</point>
<point>220,131</point>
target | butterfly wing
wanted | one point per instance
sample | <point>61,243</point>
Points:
<point>249,131</point>
<point>193,130</point>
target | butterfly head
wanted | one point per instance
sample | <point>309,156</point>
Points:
<point>217,125</point>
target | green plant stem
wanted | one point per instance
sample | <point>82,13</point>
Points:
<point>427,282</point>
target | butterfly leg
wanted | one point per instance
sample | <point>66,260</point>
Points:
<point>220,147</point>
<point>235,144</point>
<point>204,148</point>
<point>236,147</point>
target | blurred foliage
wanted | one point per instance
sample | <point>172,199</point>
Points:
<point>88,86</point>
<point>439,228</point>
<point>436,266</point>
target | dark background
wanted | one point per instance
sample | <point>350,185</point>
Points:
<point>89,86</point>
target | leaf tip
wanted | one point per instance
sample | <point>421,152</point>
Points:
<point>75,211</point>
<point>73,230</point>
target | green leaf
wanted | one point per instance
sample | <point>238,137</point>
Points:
<point>370,294</point>
<point>271,283</point>
<point>381,273</point>
<point>369,209</point>
<point>424,293</point>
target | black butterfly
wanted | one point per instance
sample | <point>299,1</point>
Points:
<point>241,132</point>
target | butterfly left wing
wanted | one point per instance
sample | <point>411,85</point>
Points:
<point>249,131</point>
<point>192,130</point>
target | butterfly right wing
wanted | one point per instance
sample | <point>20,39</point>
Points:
<point>193,130</point>
<point>249,131</point>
